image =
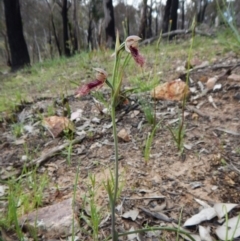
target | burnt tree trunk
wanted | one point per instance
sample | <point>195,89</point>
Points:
<point>75,27</point>
<point>170,16</point>
<point>149,23</point>
<point>183,14</point>
<point>18,47</point>
<point>66,42</point>
<point>109,23</point>
<point>53,29</point>
<point>202,10</point>
<point>143,25</point>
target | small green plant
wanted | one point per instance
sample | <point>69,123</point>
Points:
<point>149,141</point>
<point>149,112</point>
<point>89,201</point>
<point>51,110</point>
<point>178,135</point>
<point>17,129</point>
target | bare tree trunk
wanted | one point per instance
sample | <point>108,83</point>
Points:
<point>38,48</point>
<point>89,37</point>
<point>18,47</point>
<point>54,29</point>
<point>75,27</point>
<point>183,14</point>
<point>109,23</point>
<point>170,16</point>
<point>149,23</point>
<point>143,25</point>
<point>8,54</point>
<point>201,13</point>
<point>66,42</point>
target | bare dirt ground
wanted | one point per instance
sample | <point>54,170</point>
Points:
<point>208,170</point>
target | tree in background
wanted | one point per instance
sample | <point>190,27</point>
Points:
<point>170,16</point>
<point>109,23</point>
<point>201,9</point>
<point>65,5</point>
<point>143,23</point>
<point>17,44</point>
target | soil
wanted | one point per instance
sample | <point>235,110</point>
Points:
<point>207,169</point>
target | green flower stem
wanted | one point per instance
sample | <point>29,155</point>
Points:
<point>113,204</point>
<point>115,84</point>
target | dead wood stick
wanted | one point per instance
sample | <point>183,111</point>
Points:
<point>45,155</point>
<point>157,215</point>
<point>229,67</point>
<point>175,32</point>
<point>193,109</point>
<point>141,198</point>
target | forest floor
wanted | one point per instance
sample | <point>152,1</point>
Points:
<point>165,184</point>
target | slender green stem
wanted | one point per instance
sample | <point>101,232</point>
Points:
<point>114,233</point>
<point>115,85</point>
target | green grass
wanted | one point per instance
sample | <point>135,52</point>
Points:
<point>55,77</point>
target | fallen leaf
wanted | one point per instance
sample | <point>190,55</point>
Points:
<point>194,236</point>
<point>131,214</point>
<point>76,115</point>
<point>133,235</point>
<point>173,90</point>
<point>123,134</point>
<point>57,124</point>
<point>202,203</point>
<point>205,233</point>
<point>203,215</point>
<point>234,77</point>
<point>223,208</point>
<point>211,82</point>
<point>230,229</point>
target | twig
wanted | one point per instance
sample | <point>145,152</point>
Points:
<point>46,155</point>
<point>157,215</point>
<point>141,198</point>
<point>193,109</point>
<point>175,32</point>
<point>227,131</point>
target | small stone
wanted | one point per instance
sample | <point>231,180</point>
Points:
<point>123,134</point>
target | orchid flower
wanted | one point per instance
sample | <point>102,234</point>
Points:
<point>131,46</point>
<point>101,76</point>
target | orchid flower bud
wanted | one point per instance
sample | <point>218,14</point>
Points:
<point>101,77</point>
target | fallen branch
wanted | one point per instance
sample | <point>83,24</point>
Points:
<point>45,156</point>
<point>193,109</point>
<point>158,215</point>
<point>173,33</point>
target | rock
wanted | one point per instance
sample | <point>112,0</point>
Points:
<point>211,82</point>
<point>234,77</point>
<point>173,90</point>
<point>122,134</point>
<point>53,221</point>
